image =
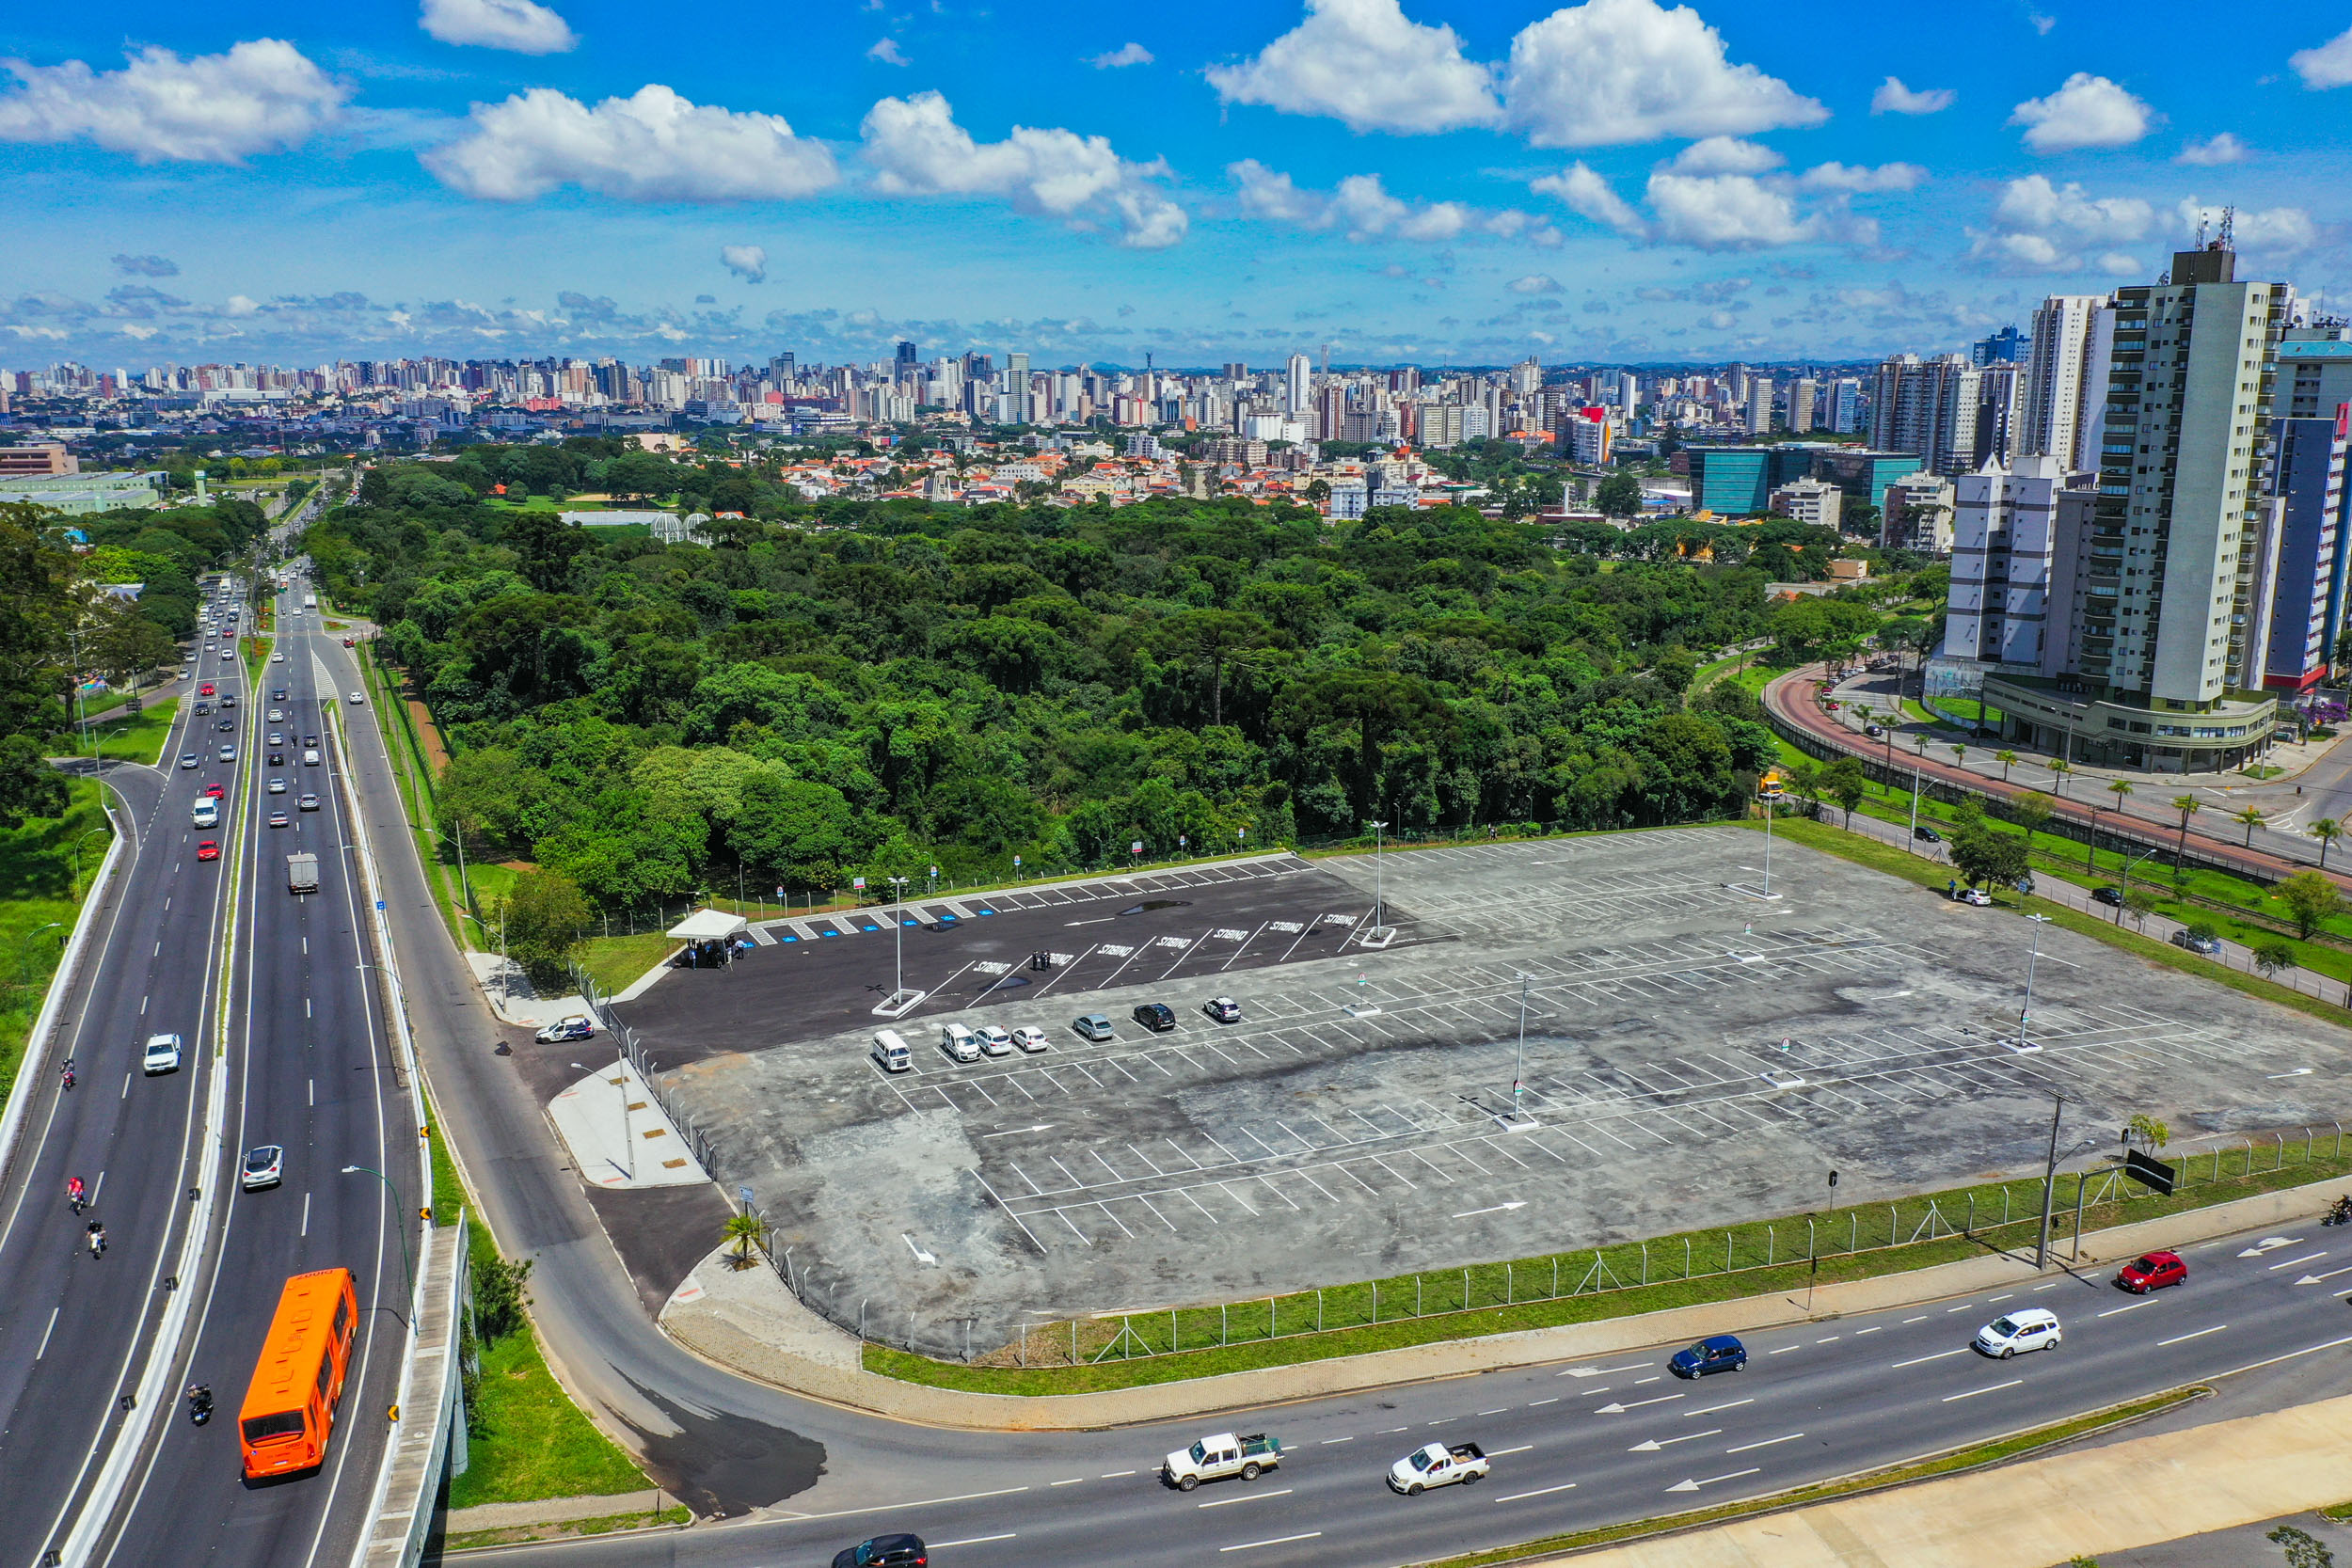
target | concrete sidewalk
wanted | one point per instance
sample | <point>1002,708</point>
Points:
<point>750,1323</point>
<point>2100,1500</point>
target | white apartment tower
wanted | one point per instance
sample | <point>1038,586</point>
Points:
<point>2064,394</point>
<point>1298,386</point>
<point>1759,418</point>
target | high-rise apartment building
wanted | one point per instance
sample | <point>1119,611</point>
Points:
<point>1759,415</point>
<point>1803,396</point>
<point>2007,346</point>
<point>2307,484</point>
<point>1846,406</point>
<point>2165,580</point>
<point>1928,407</point>
<point>1298,384</point>
<point>2063,395</point>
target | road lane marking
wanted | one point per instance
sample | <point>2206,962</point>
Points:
<point>2183,1339</point>
<point>1974,1392</point>
<point>1616,1408</point>
<point>2307,1258</point>
<point>1532,1403</point>
<point>1603,1371</point>
<point>1523,1447</point>
<point>1872,1329</point>
<point>305,1213</point>
<point>1114,1475</point>
<point>1328,1441</point>
<point>1937,1357</point>
<point>1784,1350</point>
<point>1922,1318</point>
<point>1694,1485</point>
<point>1710,1409</point>
<point>1247,1497</point>
<point>1653,1444</point>
<point>1277,1540</point>
<point>1496,1410</point>
<point>1539,1492</point>
<point>2315,1278</point>
<point>1766,1444</point>
<point>2144,1301</point>
<point>971,1541</point>
<point>1072,1481</point>
<point>46,1332</point>
<point>925,1502</point>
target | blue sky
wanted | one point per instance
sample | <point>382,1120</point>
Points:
<point>1611,180</point>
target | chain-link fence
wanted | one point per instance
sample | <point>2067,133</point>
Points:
<point>1995,1217</point>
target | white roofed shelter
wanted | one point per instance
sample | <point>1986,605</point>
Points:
<point>711,926</point>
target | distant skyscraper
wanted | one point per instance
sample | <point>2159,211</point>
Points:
<point>1759,404</point>
<point>1929,407</point>
<point>2007,346</point>
<point>1845,406</point>
<point>1802,397</point>
<point>1298,384</point>
<point>2064,391</point>
<point>906,356</point>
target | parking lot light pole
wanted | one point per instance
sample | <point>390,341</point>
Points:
<point>2026,1012</point>
<point>1379,903</point>
<point>898,924</point>
<point>1518,1073</point>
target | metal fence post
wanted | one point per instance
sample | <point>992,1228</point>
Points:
<point>1465,1289</point>
<point>1853,1230</point>
<point>1686,1256</point>
<point>1556,1269</point>
<point>1375,1302</point>
<point>1507,1291</point>
<point>2278,1147</point>
<point>1727,1252</point>
<point>2078,1216</point>
<point>1318,1311</point>
<point>1892,1224</point>
<point>1271,1331</point>
<point>1809,1253</point>
<point>1972,1215</point>
<point>1771,1246</point>
<point>1224,1335</point>
<point>1417,1296</point>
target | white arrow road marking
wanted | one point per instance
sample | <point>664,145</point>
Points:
<point>1016,1131</point>
<point>2270,1243</point>
<point>1613,1408</point>
<point>1694,1485</point>
<point>1500,1208</point>
<point>1603,1371</point>
<point>2298,1072</point>
<point>2315,1278</point>
<point>1657,1443</point>
<point>1766,1444</point>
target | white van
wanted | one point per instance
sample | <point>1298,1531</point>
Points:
<point>891,1051</point>
<point>958,1042</point>
<point>205,814</point>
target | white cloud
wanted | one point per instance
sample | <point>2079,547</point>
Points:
<point>1362,208</point>
<point>521,25</point>
<point>2042,227</point>
<point>1893,98</point>
<point>887,51</point>
<point>2220,148</point>
<point>1725,155</point>
<point>2086,111</point>
<point>916,148</point>
<point>2280,230</point>
<point>1588,195</point>
<point>1125,55</point>
<point>1857,178</point>
<point>1534,283</point>
<point>2329,65</point>
<point>747,261</point>
<point>1629,70</point>
<point>654,146</point>
<point>1725,212</point>
<point>261,96</point>
<point>1362,62</point>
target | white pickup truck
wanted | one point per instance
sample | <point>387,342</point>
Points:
<point>1437,1464</point>
<point>1215,1458</point>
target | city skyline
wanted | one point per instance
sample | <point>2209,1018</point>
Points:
<point>1614,182</point>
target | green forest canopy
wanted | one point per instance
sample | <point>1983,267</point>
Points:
<point>874,686</point>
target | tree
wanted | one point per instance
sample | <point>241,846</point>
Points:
<point>2059,771</point>
<point>498,1294</point>
<point>2032,813</point>
<point>2189,806</point>
<point>34,614</point>
<point>1982,853</point>
<point>541,919</point>
<point>2253,817</point>
<point>1618,496</point>
<point>2148,1130</point>
<point>2311,899</point>
<point>2272,954</point>
<point>1844,782</point>
<point>2007,760</point>
<point>746,1230</point>
<point>1210,639</point>
<point>2327,830</point>
<point>1959,756</point>
<point>2139,903</point>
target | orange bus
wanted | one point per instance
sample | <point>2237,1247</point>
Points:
<point>289,1412</point>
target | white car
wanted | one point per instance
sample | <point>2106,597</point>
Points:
<point>161,1054</point>
<point>227,753</point>
<point>1029,1039</point>
<point>275,716</point>
<point>188,759</point>
<point>277,658</point>
<point>278,786</point>
<point>2035,1328</point>
<point>1975,895</point>
<point>355,699</point>
<point>265,1166</point>
<point>994,1040</point>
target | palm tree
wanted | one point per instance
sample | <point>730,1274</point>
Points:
<point>2059,771</point>
<point>2253,818</point>
<point>745,1230</point>
<point>2118,788</point>
<point>2327,830</point>
<point>2189,806</point>
<point>1959,755</point>
<point>2007,760</point>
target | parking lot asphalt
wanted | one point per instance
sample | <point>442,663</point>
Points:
<point>1694,1054</point>
<point>1037,951</point>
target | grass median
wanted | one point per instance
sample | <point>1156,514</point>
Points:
<point>139,737</point>
<point>1977,1456</point>
<point>1100,1353</point>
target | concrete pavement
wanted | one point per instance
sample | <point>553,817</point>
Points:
<point>2091,1503</point>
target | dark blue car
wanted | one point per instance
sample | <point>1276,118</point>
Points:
<point>1717,1353</point>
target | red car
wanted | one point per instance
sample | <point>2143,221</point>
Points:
<point>214,792</point>
<point>350,642</point>
<point>206,690</point>
<point>2153,1271</point>
<point>208,850</point>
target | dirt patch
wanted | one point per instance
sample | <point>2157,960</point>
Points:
<point>428,735</point>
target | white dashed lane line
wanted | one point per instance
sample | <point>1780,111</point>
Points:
<point>1939,1355</point>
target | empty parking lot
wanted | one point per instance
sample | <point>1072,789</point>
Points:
<point>1693,1054</point>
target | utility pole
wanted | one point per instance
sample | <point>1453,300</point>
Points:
<point>2049,1185</point>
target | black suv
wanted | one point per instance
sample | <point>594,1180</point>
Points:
<point>1158,1017</point>
<point>885,1551</point>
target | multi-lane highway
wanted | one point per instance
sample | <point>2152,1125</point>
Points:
<point>284,1044</point>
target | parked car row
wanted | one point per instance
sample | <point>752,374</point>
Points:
<point>963,1043</point>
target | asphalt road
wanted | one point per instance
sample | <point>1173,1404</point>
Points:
<point>1575,1445</point>
<point>301,1057</point>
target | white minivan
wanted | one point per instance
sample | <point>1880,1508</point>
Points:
<point>205,813</point>
<point>958,1042</point>
<point>891,1051</point>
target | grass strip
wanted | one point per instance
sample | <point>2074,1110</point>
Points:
<point>138,738</point>
<point>414,781</point>
<point>43,880</point>
<point>609,1523</point>
<point>1867,1240</point>
<point>1999,1450</point>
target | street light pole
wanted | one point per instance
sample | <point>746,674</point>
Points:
<point>1518,1073</point>
<point>1379,901</point>
<point>2049,1186</point>
<point>2026,1012</point>
<point>400,1225</point>
<point>898,924</point>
